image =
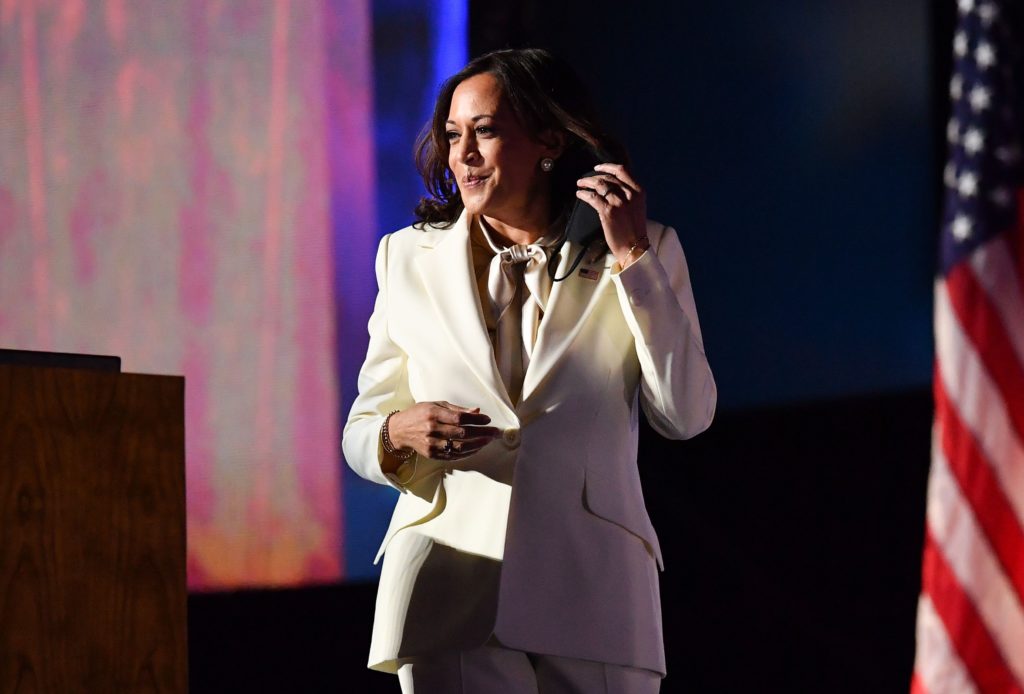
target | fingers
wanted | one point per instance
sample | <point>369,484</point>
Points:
<point>602,203</point>
<point>427,427</point>
<point>451,449</point>
<point>447,413</point>
<point>448,431</point>
<point>605,185</point>
<point>619,172</point>
<point>437,449</point>
<point>473,419</point>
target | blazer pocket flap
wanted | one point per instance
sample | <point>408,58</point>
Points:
<point>621,502</point>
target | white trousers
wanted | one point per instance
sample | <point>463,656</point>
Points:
<point>491,669</point>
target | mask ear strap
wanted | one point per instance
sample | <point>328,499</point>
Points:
<point>586,242</point>
<point>552,269</point>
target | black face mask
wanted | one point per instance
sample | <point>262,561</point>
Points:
<point>583,226</point>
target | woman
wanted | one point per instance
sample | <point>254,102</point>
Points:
<point>504,403</point>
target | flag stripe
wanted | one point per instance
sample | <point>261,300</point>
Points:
<point>994,270</point>
<point>981,489</point>
<point>942,672</point>
<point>977,400</point>
<point>982,325</point>
<point>965,626</point>
<point>976,588</point>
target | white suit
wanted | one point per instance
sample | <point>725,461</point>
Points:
<point>558,553</point>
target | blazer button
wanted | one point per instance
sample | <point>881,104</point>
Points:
<point>511,437</point>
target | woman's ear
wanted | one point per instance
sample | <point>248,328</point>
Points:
<point>554,143</point>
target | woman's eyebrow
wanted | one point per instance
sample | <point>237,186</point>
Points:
<point>474,118</point>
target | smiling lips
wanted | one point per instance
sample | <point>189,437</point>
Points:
<point>474,181</point>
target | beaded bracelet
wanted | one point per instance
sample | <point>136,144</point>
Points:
<point>389,447</point>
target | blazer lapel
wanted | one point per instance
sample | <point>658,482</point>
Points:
<point>447,274</point>
<point>571,301</point>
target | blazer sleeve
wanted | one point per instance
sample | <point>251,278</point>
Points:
<point>677,391</point>
<point>383,386</point>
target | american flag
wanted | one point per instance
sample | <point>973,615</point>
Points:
<point>970,618</point>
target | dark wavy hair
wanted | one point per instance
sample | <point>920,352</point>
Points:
<point>545,95</point>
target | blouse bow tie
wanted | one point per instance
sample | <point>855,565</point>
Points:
<point>512,271</point>
<point>507,267</point>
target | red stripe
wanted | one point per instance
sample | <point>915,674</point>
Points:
<point>981,322</point>
<point>980,486</point>
<point>967,631</point>
<point>917,686</point>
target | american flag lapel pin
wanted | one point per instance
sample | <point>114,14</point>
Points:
<point>593,264</point>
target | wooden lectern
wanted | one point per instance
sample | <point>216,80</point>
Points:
<point>92,532</point>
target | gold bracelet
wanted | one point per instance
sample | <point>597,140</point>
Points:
<point>389,447</point>
<point>637,244</point>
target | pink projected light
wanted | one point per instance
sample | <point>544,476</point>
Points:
<point>165,196</point>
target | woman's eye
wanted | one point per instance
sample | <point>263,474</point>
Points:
<point>484,130</point>
<point>451,135</point>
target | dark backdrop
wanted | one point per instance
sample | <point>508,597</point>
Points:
<point>795,147</point>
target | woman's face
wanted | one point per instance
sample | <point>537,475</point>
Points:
<point>495,162</point>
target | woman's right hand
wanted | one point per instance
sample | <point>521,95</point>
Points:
<point>428,427</point>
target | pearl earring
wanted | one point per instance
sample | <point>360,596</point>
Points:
<point>547,163</point>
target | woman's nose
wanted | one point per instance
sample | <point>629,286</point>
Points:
<point>466,151</point>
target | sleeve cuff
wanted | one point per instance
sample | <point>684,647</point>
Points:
<point>404,475</point>
<point>617,268</point>
<point>641,278</point>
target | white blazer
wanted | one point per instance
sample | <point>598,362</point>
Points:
<point>552,547</point>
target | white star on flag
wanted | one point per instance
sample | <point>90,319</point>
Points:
<point>980,98</point>
<point>974,141</point>
<point>967,185</point>
<point>965,5</point>
<point>985,55</point>
<point>961,227</point>
<point>956,87</point>
<point>960,44</point>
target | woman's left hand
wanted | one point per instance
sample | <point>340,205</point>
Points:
<point>621,204</point>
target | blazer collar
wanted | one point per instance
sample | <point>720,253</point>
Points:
<point>447,274</point>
